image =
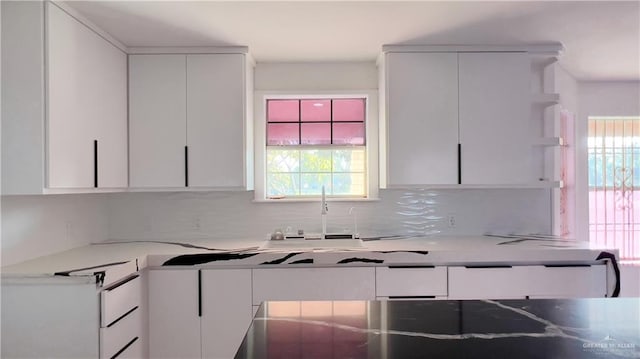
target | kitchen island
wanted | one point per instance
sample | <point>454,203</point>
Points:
<point>536,328</point>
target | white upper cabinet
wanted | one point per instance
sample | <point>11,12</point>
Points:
<point>187,120</point>
<point>423,118</point>
<point>457,118</point>
<point>215,120</point>
<point>87,116</point>
<point>63,96</point>
<point>494,103</point>
<point>157,120</point>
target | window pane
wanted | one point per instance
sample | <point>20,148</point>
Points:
<point>348,110</point>
<point>311,183</point>
<point>315,110</point>
<point>316,133</point>
<point>348,183</point>
<point>348,133</point>
<point>348,160</point>
<point>283,160</point>
<point>315,160</point>
<point>279,134</point>
<point>282,111</point>
<point>283,184</point>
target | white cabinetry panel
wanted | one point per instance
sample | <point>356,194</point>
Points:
<point>194,102</point>
<point>226,311</point>
<point>494,118</point>
<point>568,282</point>
<point>117,301</point>
<point>313,284</point>
<point>174,324</point>
<point>215,120</point>
<point>86,101</point>
<point>435,101</point>
<point>422,121</point>
<point>527,281</point>
<point>487,283</point>
<point>411,282</point>
<point>157,120</point>
<point>114,338</point>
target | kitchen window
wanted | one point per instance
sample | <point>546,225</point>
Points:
<point>315,141</point>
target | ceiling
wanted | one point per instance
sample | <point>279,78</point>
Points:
<point>601,38</point>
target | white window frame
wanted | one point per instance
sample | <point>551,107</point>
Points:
<point>260,140</point>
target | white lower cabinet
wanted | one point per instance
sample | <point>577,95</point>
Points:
<point>198,313</point>
<point>411,282</point>
<point>206,313</point>
<point>174,321</point>
<point>589,281</point>
<point>226,311</point>
<point>535,281</point>
<point>313,284</point>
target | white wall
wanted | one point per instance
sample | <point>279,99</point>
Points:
<point>308,76</point>
<point>34,226</point>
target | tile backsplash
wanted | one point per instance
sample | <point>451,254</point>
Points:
<point>234,215</point>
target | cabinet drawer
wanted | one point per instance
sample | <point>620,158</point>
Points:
<point>411,281</point>
<point>119,299</point>
<point>488,282</point>
<point>313,284</point>
<point>568,281</point>
<point>120,333</point>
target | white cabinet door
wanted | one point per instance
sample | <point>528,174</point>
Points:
<point>215,120</point>
<point>86,103</point>
<point>157,120</point>
<point>174,322</point>
<point>226,311</point>
<point>494,118</point>
<point>313,284</point>
<point>488,283</point>
<point>422,121</point>
<point>109,93</point>
<point>411,282</point>
<point>568,281</point>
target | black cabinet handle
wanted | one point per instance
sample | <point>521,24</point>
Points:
<point>459,163</point>
<point>95,163</point>
<point>412,297</point>
<point>186,166</point>
<point>200,293</point>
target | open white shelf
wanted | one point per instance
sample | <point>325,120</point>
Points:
<point>549,141</point>
<point>545,99</point>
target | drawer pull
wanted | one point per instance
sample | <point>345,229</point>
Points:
<point>566,265</point>
<point>412,297</point>
<point>410,266</point>
<point>124,348</point>
<point>124,315</point>
<point>488,266</point>
<point>122,283</point>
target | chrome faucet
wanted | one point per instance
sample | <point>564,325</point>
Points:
<point>323,214</point>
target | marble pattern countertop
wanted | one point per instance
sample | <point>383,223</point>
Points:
<point>120,256</point>
<point>537,328</point>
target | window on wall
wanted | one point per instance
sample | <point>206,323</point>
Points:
<point>316,142</point>
<point>614,184</point>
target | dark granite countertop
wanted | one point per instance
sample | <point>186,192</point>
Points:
<point>535,328</point>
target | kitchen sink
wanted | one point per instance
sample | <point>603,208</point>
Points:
<point>314,244</point>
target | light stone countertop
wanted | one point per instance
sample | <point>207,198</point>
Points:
<point>434,250</point>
